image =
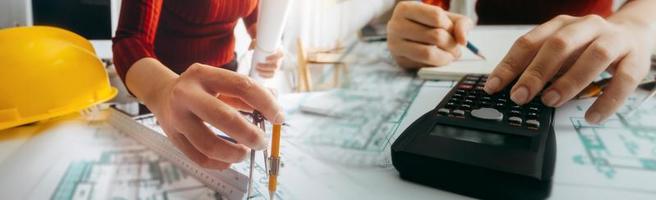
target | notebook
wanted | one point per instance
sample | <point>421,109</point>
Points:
<point>492,41</point>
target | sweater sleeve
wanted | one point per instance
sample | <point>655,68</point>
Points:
<point>251,22</point>
<point>135,34</point>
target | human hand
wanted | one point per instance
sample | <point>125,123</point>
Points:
<point>267,69</point>
<point>571,52</point>
<point>420,35</point>
<point>208,94</point>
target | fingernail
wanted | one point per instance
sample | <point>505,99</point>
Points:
<point>279,118</point>
<point>491,85</point>
<point>520,95</point>
<point>551,98</point>
<point>594,117</point>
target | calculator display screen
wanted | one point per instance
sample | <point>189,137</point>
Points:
<point>479,137</point>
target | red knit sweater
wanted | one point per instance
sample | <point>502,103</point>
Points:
<point>179,33</point>
<point>532,11</point>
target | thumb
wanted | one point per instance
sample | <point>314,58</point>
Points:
<point>462,25</point>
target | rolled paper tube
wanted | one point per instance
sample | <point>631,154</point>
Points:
<point>271,20</point>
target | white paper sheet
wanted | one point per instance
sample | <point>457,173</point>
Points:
<point>492,41</point>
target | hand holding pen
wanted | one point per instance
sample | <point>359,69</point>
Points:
<point>420,35</point>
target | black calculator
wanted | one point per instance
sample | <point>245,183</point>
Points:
<point>480,145</point>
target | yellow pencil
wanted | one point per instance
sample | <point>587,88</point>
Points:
<point>275,160</point>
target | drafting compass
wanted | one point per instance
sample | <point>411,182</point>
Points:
<point>258,120</point>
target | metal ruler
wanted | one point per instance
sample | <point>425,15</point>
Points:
<point>229,183</point>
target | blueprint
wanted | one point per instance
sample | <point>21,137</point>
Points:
<point>361,117</point>
<point>365,118</point>
<point>619,154</point>
<point>128,174</point>
<point>77,159</point>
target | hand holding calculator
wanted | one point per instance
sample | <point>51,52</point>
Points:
<point>480,145</point>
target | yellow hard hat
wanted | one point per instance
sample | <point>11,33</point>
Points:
<point>47,72</point>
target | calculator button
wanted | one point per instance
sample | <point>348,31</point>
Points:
<point>456,95</point>
<point>502,100</point>
<point>486,98</point>
<point>470,101</point>
<point>534,109</point>
<point>450,105</point>
<point>469,82</point>
<point>444,111</point>
<point>500,104</point>
<point>515,121</point>
<point>465,86</point>
<point>532,115</point>
<point>531,123</point>
<point>515,112</point>
<point>487,113</point>
<point>466,106</point>
<point>471,78</point>
<point>459,113</point>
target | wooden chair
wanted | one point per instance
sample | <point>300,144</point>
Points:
<point>306,59</point>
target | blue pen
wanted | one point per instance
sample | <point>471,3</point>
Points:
<point>474,50</point>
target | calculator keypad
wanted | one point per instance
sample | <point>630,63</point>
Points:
<point>469,101</point>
